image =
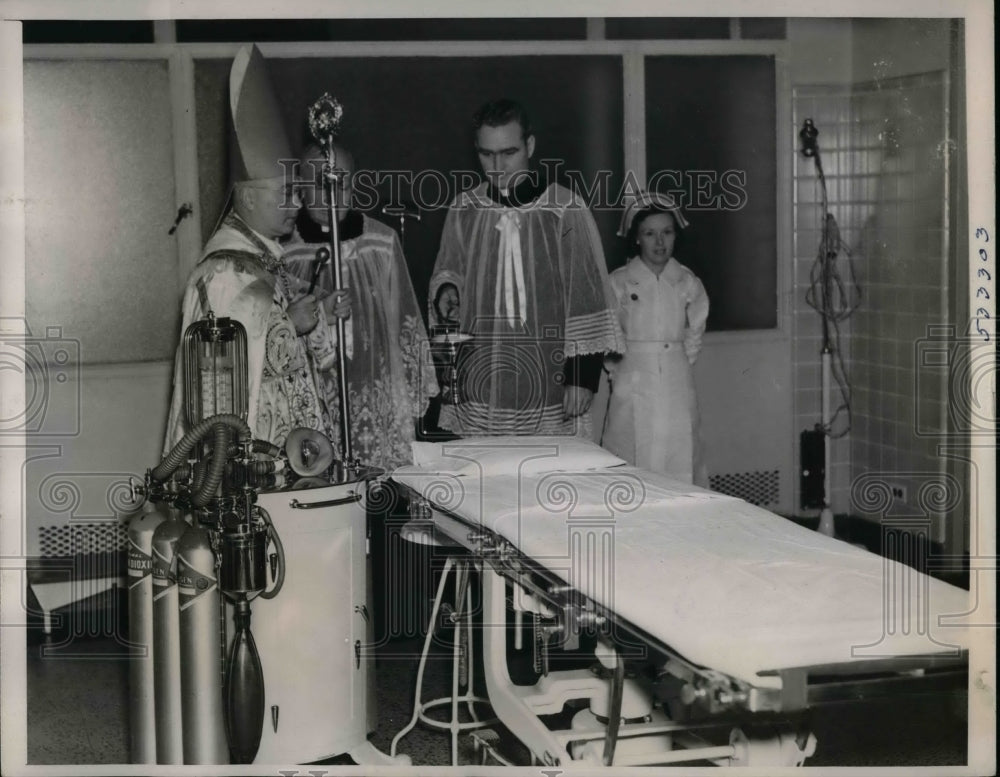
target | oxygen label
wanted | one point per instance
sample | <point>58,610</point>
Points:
<point>191,584</point>
<point>164,570</point>
<point>140,564</point>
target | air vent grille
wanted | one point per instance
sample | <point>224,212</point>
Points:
<point>758,488</point>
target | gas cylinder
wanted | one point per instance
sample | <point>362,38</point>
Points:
<point>166,639</point>
<point>200,650</point>
<point>142,710</point>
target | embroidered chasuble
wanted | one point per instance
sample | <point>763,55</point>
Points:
<point>241,276</point>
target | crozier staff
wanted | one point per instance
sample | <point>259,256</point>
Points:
<point>389,374</point>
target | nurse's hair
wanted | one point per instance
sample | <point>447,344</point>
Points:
<point>497,113</point>
<point>632,236</point>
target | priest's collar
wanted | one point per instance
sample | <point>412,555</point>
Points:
<point>350,227</point>
<point>528,189</point>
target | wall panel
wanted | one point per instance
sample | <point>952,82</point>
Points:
<point>100,202</point>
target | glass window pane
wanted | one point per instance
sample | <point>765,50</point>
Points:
<point>710,137</point>
<point>666,28</point>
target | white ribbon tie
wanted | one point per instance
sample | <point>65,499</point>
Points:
<point>511,301</point>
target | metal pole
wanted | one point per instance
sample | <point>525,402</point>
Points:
<point>330,180</point>
<point>826,523</point>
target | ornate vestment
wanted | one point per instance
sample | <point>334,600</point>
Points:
<point>390,373</point>
<point>241,276</point>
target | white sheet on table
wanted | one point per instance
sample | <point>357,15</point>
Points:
<point>728,585</point>
<point>513,455</point>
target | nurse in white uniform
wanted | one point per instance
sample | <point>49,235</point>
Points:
<point>652,418</point>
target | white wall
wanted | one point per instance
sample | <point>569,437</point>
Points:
<point>99,169</point>
<point>102,281</point>
<point>887,48</point>
<point>120,411</point>
<point>820,51</point>
<point>744,389</point>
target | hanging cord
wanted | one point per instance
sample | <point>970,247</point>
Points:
<point>272,533</point>
<point>829,294</point>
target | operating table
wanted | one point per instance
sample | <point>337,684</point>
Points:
<point>706,614</point>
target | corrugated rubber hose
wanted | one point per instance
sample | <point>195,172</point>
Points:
<point>178,455</point>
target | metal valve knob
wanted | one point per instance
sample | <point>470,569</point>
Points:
<point>690,693</point>
<point>136,490</point>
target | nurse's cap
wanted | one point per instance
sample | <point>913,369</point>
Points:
<point>261,140</point>
<point>641,201</point>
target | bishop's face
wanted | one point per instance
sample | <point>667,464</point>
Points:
<point>343,191</point>
<point>504,153</point>
<point>272,206</point>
